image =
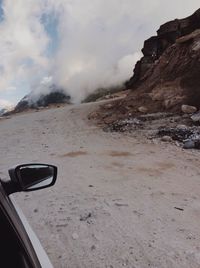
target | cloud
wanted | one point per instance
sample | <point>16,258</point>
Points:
<point>23,42</point>
<point>81,45</point>
<point>6,104</point>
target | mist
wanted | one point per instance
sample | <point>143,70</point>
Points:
<point>77,45</point>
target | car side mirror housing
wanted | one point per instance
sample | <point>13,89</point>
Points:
<point>30,177</point>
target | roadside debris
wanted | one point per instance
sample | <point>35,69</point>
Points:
<point>188,136</point>
<point>121,205</point>
<point>86,217</point>
<point>182,130</point>
<point>181,209</point>
<point>125,125</point>
<point>75,236</point>
<point>175,133</point>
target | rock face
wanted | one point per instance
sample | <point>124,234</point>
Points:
<point>30,101</point>
<point>155,46</point>
<point>173,79</point>
<point>168,75</point>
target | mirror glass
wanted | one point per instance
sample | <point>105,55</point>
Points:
<point>35,176</point>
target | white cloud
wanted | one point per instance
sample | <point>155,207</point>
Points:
<point>6,104</point>
<point>98,40</point>
<point>22,37</point>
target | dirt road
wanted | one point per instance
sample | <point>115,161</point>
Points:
<point>118,202</point>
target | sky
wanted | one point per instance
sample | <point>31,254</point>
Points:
<point>78,45</point>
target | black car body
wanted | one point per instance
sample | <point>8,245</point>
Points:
<point>19,246</point>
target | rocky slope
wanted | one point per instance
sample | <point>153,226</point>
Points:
<point>167,76</point>
<point>33,100</point>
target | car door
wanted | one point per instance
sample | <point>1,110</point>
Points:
<point>16,249</point>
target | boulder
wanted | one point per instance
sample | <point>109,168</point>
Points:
<point>182,127</point>
<point>196,117</point>
<point>189,144</point>
<point>142,109</point>
<point>187,109</point>
<point>166,139</point>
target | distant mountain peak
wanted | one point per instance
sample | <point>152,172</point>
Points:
<point>38,98</point>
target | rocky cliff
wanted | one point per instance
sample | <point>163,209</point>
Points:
<point>167,76</point>
<point>155,46</point>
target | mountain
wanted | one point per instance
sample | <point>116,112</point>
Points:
<point>3,111</point>
<point>6,110</point>
<point>37,99</point>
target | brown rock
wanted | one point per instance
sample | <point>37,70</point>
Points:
<point>108,106</point>
<point>187,109</point>
<point>188,37</point>
<point>142,109</point>
<point>166,139</point>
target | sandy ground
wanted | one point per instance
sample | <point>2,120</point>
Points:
<point>119,201</point>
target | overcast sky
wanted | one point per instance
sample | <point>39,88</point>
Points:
<point>79,45</point>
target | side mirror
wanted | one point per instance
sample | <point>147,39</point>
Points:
<point>31,177</point>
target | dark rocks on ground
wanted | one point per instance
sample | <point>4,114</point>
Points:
<point>126,125</point>
<point>175,133</point>
<point>142,121</point>
<point>190,144</point>
<point>181,209</point>
<point>87,218</point>
<point>180,130</point>
<point>190,136</point>
<point>181,127</point>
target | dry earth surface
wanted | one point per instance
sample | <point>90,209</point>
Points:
<point>119,201</point>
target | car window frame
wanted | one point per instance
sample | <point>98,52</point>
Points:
<point>16,224</point>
